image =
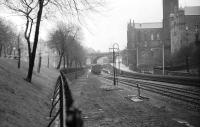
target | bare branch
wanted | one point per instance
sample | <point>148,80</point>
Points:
<point>46,3</point>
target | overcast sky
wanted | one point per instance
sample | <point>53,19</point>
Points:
<point>103,29</point>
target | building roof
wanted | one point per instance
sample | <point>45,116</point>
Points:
<point>148,25</point>
<point>192,10</point>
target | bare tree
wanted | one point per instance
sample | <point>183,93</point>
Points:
<point>33,10</point>
<point>63,40</point>
<point>2,35</point>
<point>78,54</point>
<point>58,40</point>
<point>8,38</point>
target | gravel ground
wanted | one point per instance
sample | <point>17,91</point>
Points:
<point>103,105</point>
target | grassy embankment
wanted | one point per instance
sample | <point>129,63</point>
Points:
<point>24,104</point>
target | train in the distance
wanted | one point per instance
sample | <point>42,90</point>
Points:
<point>96,69</point>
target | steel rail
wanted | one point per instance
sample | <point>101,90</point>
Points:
<point>182,80</point>
<point>167,93</point>
<point>161,90</point>
<point>174,88</point>
<point>181,90</point>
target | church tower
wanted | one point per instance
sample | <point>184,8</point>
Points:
<point>168,7</point>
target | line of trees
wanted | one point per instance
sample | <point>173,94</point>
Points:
<point>65,40</point>
<point>8,39</point>
<point>34,11</point>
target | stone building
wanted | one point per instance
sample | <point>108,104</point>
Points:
<point>144,44</point>
<point>184,23</point>
<point>147,41</point>
<point>152,44</point>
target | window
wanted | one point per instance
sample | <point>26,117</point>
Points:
<point>152,37</point>
<point>186,28</point>
<point>158,36</point>
<point>145,44</point>
<point>196,28</point>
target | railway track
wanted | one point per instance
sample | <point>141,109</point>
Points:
<point>187,81</point>
<point>184,94</point>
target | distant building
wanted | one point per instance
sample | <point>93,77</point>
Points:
<point>144,43</point>
<point>145,40</point>
<point>49,56</point>
<point>184,22</point>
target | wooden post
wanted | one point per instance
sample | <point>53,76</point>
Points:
<point>19,57</point>
<point>39,63</point>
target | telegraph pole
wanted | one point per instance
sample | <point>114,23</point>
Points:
<point>163,53</point>
<point>114,61</point>
<point>137,57</point>
<point>114,78</point>
<point>19,52</point>
<point>48,60</point>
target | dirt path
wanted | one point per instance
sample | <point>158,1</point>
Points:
<point>105,106</point>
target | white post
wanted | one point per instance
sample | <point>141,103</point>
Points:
<point>163,53</point>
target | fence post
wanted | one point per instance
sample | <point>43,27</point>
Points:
<point>19,57</point>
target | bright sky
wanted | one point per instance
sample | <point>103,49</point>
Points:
<point>110,26</point>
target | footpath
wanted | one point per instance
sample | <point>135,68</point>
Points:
<point>104,105</point>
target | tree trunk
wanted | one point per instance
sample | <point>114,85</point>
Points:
<point>4,49</point>
<point>39,63</point>
<point>10,50</point>
<point>19,59</point>
<point>37,30</point>
<point>71,62</point>
<point>80,64</point>
<point>60,60</point>
<point>0,49</point>
<point>67,61</point>
<point>64,61</point>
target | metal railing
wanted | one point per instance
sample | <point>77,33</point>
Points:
<point>62,112</point>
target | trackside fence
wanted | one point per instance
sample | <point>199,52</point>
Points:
<point>62,112</point>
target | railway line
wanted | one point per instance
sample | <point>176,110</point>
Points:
<point>184,93</point>
<point>187,81</point>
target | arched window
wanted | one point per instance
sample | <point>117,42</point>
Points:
<point>158,36</point>
<point>152,37</point>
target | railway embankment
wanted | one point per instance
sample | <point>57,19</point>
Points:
<point>24,104</point>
